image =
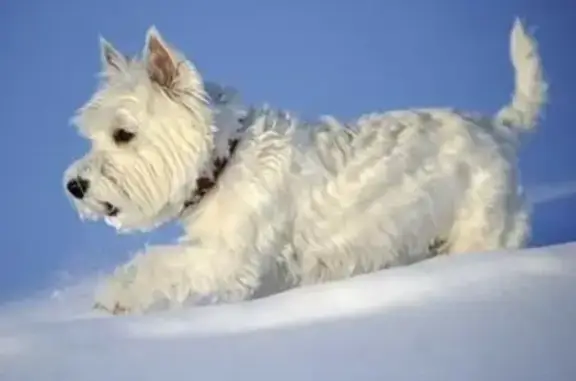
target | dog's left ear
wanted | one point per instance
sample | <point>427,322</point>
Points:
<point>113,62</point>
<point>160,62</point>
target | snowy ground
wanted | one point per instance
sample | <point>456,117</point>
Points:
<point>486,317</point>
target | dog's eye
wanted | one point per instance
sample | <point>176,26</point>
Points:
<point>121,136</point>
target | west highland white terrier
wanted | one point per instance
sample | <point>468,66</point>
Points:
<point>268,201</point>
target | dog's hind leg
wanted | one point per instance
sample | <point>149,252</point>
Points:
<point>493,215</point>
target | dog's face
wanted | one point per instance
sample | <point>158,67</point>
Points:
<point>150,131</point>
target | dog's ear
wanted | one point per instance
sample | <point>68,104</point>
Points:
<point>160,63</point>
<point>113,61</point>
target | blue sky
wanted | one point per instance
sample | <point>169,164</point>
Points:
<point>342,57</point>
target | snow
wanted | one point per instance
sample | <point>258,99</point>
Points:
<point>482,316</point>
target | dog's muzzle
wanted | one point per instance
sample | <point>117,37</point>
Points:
<point>78,188</point>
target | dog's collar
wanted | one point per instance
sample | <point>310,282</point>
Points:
<point>206,182</point>
<point>222,156</point>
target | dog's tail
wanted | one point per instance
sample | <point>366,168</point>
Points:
<point>530,88</point>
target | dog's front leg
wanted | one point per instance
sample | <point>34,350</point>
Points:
<point>171,275</point>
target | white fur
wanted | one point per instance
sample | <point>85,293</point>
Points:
<point>298,203</point>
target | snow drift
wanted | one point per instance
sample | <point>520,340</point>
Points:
<point>486,316</point>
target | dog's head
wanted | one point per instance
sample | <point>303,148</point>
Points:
<point>151,134</point>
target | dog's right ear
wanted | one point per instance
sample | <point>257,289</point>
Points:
<point>113,62</point>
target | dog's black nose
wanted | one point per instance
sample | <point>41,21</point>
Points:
<point>78,187</point>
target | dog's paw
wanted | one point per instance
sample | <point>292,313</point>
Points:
<point>155,279</point>
<point>133,288</point>
<point>119,296</point>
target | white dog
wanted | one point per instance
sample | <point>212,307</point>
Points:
<point>269,202</point>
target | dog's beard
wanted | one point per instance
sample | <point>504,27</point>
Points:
<point>125,203</point>
<point>124,215</point>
